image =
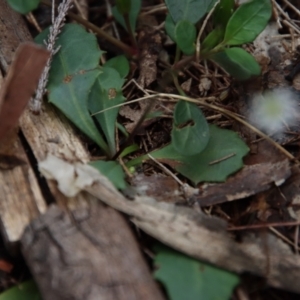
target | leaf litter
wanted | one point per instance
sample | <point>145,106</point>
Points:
<point>266,187</point>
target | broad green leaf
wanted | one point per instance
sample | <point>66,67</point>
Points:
<point>189,10</point>
<point>120,64</point>
<point>23,6</point>
<point>170,27</point>
<point>107,92</point>
<point>186,278</point>
<point>237,62</point>
<point>185,35</point>
<point>190,133</point>
<point>223,12</point>
<point>123,6</point>
<point>214,38</point>
<point>113,171</point>
<point>24,291</point>
<point>221,157</point>
<point>247,22</point>
<point>133,14</point>
<point>73,72</point>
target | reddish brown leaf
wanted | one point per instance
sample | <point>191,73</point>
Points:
<point>20,84</point>
<point>5,266</point>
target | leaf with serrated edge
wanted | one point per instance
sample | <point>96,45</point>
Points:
<point>73,72</point>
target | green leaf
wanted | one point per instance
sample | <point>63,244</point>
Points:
<point>73,72</point>
<point>113,171</point>
<point>214,38</point>
<point>120,64</point>
<point>221,157</point>
<point>185,35</point>
<point>23,6</point>
<point>130,149</point>
<point>122,129</point>
<point>189,279</point>
<point>170,27</point>
<point>247,22</point>
<point>237,62</point>
<point>24,291</point>
<point>223,12</point>
<point>123,6</point>
<point>189,10</point>
<point>105,93</point>
<point>190,132</point>
<point>133,14</point>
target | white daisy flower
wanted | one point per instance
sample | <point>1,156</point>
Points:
<point>275,111</point>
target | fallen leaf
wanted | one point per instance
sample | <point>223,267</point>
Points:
<point>249,181</point>
<point>20,84</point>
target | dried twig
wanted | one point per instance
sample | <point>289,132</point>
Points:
<point>202,29</point>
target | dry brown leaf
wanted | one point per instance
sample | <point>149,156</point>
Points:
<point>20,84</point>
<point>249,181</point>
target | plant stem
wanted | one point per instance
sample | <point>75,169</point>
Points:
<point>175,73</point>
<point>177,85</point>
<point>129,29</point>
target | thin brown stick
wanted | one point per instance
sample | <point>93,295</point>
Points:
<point>260,226</point>
<point>198,45</point>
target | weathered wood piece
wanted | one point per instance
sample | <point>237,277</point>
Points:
<point>205,238</point>
<point>115,270</point>
<point>58,249</point>
<point>12,32</point>
<point>20,196</point>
